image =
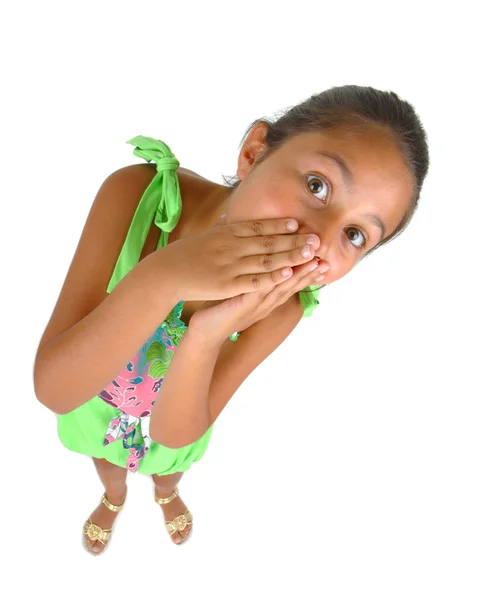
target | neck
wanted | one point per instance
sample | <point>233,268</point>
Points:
<point>212,206</point>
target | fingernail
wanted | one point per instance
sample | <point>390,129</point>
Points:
<point>313,240</point>
<point>292,225</point>
<point>323,268</point>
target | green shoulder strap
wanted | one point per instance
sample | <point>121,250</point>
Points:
<point>161,203</point>
<point>309,300</point>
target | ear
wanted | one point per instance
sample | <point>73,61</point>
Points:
<point>253,147</point>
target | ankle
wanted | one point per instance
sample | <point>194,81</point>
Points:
<point>164,493</point>
<point>117,495</point>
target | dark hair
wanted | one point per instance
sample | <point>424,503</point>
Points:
<point>360,108</point>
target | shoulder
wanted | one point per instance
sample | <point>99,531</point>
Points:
<point>138,177</point>
<point>145,172</point>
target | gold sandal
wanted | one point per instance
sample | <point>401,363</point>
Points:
<point>94,532</point>
<point>180,521</point>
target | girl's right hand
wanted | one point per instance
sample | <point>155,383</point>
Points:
<point>228,260</point>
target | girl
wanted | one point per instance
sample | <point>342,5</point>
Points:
<point>320,188</point>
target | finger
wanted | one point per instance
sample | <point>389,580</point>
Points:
<point>300,277</point>
<point>274,251</point>
<point>305,275</point>
<point>303,272</point>
<point>257,282</point>
<point>296,277</point>
<point>314,276</point>
<point>268,266</point>
<point>260,227</point>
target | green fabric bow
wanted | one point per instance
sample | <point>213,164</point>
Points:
<point>162,203</point>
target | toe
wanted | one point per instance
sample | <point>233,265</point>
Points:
<point>88,542</point>
<point>185,532</point>
<point>176,537</point>
<point>94,546</point>
<point>97,546</point>
<point>91,545</point>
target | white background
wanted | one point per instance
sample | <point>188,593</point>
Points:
<point>353,462</point>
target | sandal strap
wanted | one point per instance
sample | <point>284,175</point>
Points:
<point>169,499</point>
<point>94,532</point>
<point>179,523</point>
<point>108,504</point>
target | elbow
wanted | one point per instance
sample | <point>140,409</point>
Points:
<point>41,394</point>
<point>47,398</point>
<point>50,403</point>
<point>156,438</point>
<point>52,407</point>
<point>42,399</point>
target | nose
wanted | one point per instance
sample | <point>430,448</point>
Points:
<point>327,227</point>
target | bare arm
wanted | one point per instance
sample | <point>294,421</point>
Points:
<point>180,414</point>
<point>205,373</point>
<point>78,363</point>
<point>91,335</point>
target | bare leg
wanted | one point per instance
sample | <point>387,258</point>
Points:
<point>113,478</point>
<point>164,486</point>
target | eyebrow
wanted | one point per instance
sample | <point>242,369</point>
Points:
<point>349,181</point>
<point>374,219</point>
<point>345,170</point>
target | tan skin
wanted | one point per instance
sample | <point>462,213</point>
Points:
<point>279,188</point>
<point>293,183</point>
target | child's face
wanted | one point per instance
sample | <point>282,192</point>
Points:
<point>294,182</point>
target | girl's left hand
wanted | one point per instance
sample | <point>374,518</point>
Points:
<point>219,319</point>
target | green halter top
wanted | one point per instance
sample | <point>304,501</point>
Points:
<point>162,203</point>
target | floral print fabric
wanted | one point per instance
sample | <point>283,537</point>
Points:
<point>134,390</point>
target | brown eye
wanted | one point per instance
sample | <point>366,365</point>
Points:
<point>317,185</point>
<point>354,237</point>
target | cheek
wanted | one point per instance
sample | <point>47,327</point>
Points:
<point>341,263</point>
<point>334,274</point>
<point>282,199</point>
<point>266,200</point>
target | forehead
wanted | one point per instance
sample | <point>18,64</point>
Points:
<point>367,151</point>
